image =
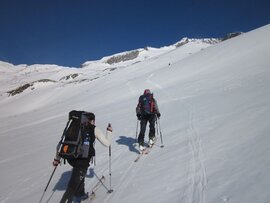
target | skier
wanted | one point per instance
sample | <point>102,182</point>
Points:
<point>147,110</point>
<point>75,186</point>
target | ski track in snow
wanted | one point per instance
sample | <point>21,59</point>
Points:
<point>29,124</point>
<point>131,89</point>
<point>126,179</point>
<point>197,172</point>
<point>149,81</point>
<point>171,98</point>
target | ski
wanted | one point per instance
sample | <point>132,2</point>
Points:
<point>92,194</point>
<point>144,152</point>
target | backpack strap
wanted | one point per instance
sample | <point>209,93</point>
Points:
<point>63,135</point>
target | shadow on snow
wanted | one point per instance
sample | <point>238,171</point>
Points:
<point>128,141</point>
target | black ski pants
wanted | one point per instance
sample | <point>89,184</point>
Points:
<point>144,119</point>
<point>76,184</point>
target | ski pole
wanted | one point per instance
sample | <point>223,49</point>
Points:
<point>137,129</point>
<point>160,133</point>
<point>47,184</point>
<point>110,170</point>
<point>157,124</point>
<point>136,136</point>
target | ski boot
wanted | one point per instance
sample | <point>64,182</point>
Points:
<point>151,141</point>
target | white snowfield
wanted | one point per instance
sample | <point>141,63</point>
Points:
<point>215,111</point>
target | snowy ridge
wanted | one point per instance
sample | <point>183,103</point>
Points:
<point>214,103</point>
<point>25,76</point>
<point>186,40</point>
<point>138,55</point>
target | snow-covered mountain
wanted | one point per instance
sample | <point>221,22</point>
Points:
<point>214,101</point>
<point>138,55</point>
<point>24,77</point>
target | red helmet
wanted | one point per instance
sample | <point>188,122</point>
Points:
<point>147,91</point>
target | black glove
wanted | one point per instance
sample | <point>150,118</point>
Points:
<point>139,116</point>
<point>56,162</point>
<point>158,115</point>
<point>109,128</point>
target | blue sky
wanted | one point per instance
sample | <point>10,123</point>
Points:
<point>70,32</point>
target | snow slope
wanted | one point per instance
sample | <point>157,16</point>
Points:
<point>214,102</point>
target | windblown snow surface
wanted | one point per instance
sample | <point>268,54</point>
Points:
<point>215,112</point>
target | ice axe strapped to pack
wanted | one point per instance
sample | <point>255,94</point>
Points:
<point>76,137</point>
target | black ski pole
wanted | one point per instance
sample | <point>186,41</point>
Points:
<point>110,170</point>
<point>47,184</point>
<point>160,133</point>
